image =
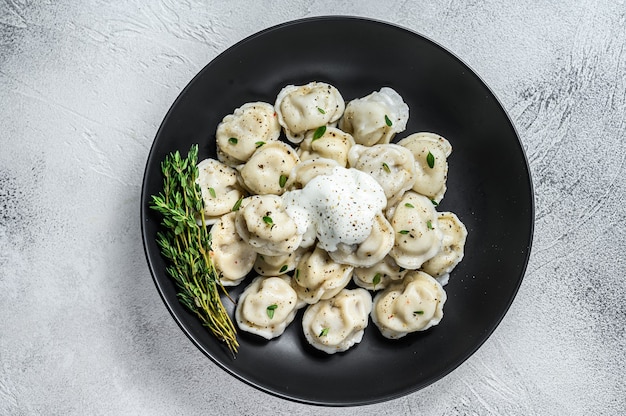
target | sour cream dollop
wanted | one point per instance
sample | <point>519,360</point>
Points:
<point>340,206</point>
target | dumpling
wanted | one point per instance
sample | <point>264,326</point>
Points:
<point>241,133</point>
<point>378,276</point>
<point>232,256</point>
<point>409,305</point>
<point>265,225</point>
<point>306,107</point>
<point>417,234</point>
<point>372,250</point>
<point>267,306</point>
<point>430,180</point>
<point>452,247</point>
<point>336,324</point>
<point>277,265</point>
<point>306,170</point>
<point>333,144</point>
<point>391,165</point>
<point>267,171</point>
<point>376,118</point>
<point>317,276</point>
<point>219,187</point>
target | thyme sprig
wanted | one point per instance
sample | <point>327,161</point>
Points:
<point>186,245</point>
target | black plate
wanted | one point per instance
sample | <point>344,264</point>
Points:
<point>489,188</point>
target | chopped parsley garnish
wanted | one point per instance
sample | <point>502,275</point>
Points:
<point>270,310</point>
<point>319,132</point>
<point>430,159</point>
<point>237,205</point>
<point>376,279</point>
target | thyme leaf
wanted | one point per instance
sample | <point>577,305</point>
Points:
<point>319,132</point>
<point>376,279</point>
<point>430,159</point>
<point>237,204</point>
<point>270,310</point>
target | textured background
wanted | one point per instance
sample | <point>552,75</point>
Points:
<point>83,89</point>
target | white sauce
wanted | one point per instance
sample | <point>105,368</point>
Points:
<point>340,206</point>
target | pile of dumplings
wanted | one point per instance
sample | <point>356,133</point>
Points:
<point>337,220</point>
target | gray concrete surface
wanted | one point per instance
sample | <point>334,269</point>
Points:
<point>84,87</point>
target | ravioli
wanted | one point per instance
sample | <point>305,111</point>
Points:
<point>302,108</point>
<point>219,187</point>
<point>332,144</point>
<point>431,153</point>
<point>413,304</point>
<point>336,324</point>
<point>452,247</point>
<point>378,276</point>
<point>375,118</point>
<point>265,225</point>
<point>232,256</point>
<point>267,306</point>
<point>277,265</point>
<point>267,170</point>
<point>319,277</point>
<point>308,169</point>
<point>369,252</point>
<point>391,165</point>
<point>241,133</point>
<point>417,234</point>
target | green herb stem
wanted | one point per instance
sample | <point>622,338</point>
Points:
<point>186,244</point>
